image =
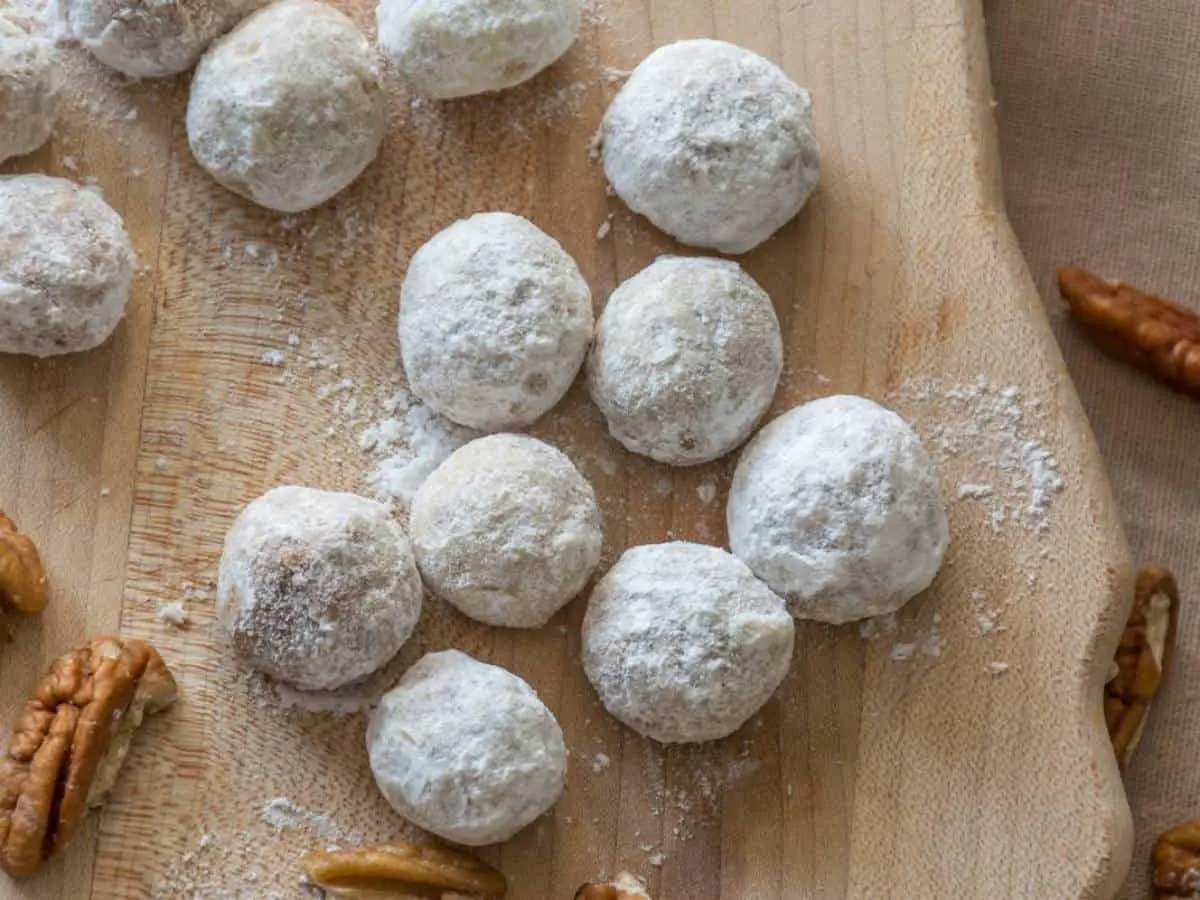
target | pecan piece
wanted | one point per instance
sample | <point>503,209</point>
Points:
<point>1142,661</point>
<point>1148,331</point>
<point>1176,860</point>
<point>22,578</point>
<point>69,743</point>
<point>395,870</point>
<point>626,887</point>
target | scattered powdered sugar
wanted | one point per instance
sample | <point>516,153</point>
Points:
<point>707,491</point>
<point>987,614</point>
<point>601,763</point>
<point>407,445</point>
<point>932,643</point>
<point>236,864</point>
<point>999,436</point>
<point>284,815</point>
<point>917,641</point>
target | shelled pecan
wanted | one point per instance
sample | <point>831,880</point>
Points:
<point>402,870</point>
<point>626,887</point>
<point>1153,333</point>
<point>22,579</point>
<point>1142,661</point>
<point>69,743</point>
<point>1176,860</point>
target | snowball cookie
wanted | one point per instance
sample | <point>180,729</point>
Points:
<point>507,530</point>
<point>317,589</point>
<point>455,48</point>
<point>287,109</point>
<point>495,321</point>
<point>466,750</point>
<point>30,85</point>
<point>151,40</point>
<point>66,266</point>
<point>686,359</point>
<point>836,506</point>
<point>683,643</point>
<point>712,143</point>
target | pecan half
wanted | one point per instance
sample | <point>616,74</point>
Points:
<point>395,870</point>
<point>69,743</point>
<point>22,578</point>
<point>626,887</point>
<point>1176,860</point>
<point>1148,331</point>
<point>1142,661</point>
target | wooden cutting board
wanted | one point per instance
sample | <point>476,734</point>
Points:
<point>959,752</point>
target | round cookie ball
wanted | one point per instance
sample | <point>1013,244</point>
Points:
<point>713,144</point>
<point>686,360</point>
<point>836,506</point>
<point>507,530</point>
<point>465,750</point>
<point>456,48</point>
<point>495,321</point>
<point>151,40</point>
<point>683,643</point>
<point>30,85</point>
<point>287,109</point>
<point>66,266</point>
<point>317,589</point>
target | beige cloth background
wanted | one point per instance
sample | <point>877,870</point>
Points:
<point>1099,115</point>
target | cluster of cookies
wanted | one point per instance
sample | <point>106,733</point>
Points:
<point>834,514</point>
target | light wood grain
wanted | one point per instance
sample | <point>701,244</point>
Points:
<point>864,777</point>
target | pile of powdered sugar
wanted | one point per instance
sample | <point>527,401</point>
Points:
<point>407,444</point>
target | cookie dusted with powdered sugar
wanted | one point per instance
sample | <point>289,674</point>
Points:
<point>836,506</point>
<point>686,359</point>
<point>495,321</point>
<point>317,589</point>
<point>713,144</point>
<point>151,40</point>
<point>507,530</point>
<point>66,266</point>
<point>683,643</point>
<point>456,48</point>
<point>465,750</point>
<point>287,109</point>
<point>31,81</point>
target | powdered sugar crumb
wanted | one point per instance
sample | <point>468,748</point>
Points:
<point>975,491</point>
<point>172,614</point>
<point>902,652</point>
